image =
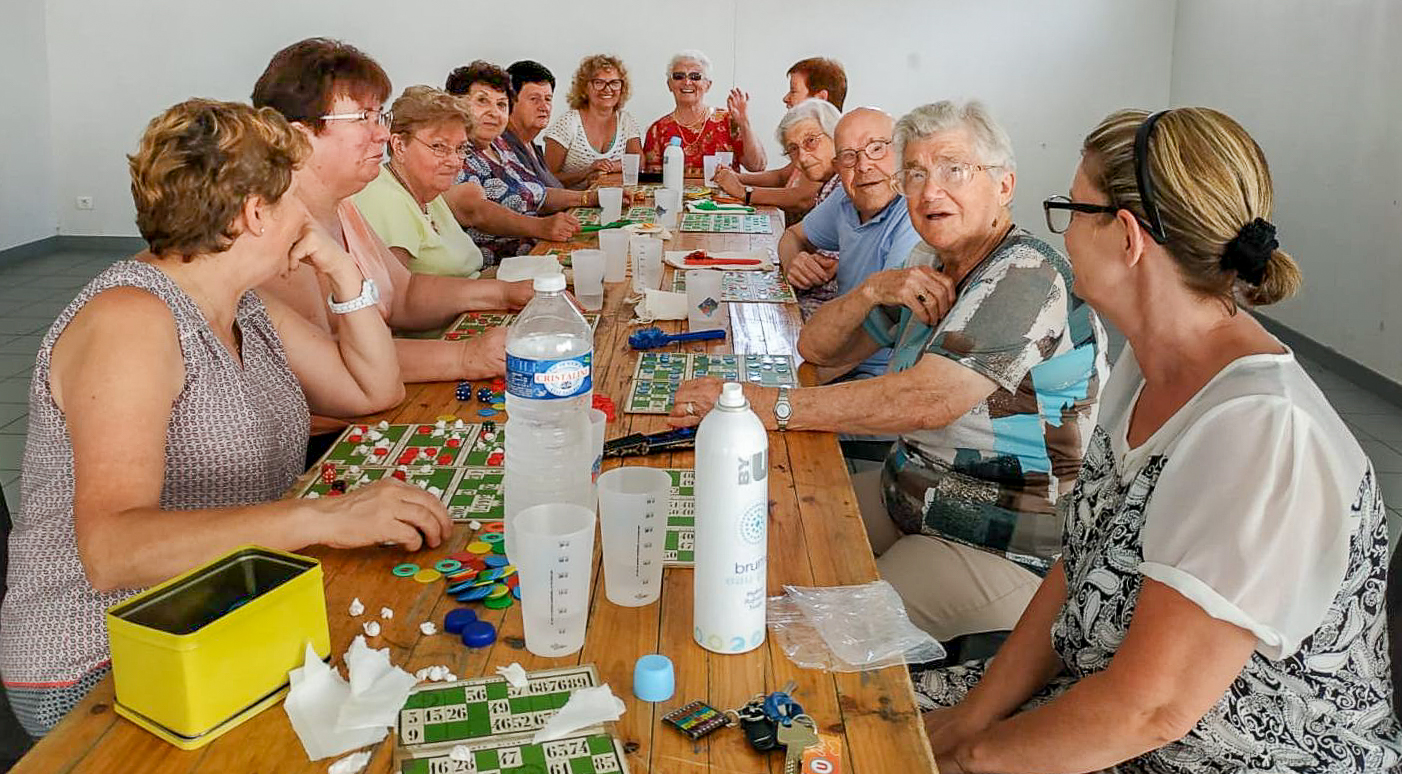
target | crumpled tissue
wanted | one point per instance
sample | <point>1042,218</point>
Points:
<point>332,716</point>
<point>660,305</point>
<point>586,707</point>
<point>515,675</point>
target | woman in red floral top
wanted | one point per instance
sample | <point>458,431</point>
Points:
<point>704,130</point>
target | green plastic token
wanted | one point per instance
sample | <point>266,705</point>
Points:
<point>405,570</point>
<point>498,603</point>
<point>498,591</point>
<point>499,548</point>
<point>447,565</point>
<point>492,537</point>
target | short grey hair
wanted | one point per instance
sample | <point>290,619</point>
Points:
<point>812,109</point>
<point>690,55</point>
<point>992,143</point>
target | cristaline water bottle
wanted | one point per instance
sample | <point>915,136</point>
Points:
<point>673,164</point>
<point>732,525</point>
<point>549,387</point>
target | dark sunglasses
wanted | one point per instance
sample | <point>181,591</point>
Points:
<point>685,76</point>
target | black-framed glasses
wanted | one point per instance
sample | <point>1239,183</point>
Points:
<point>613,84</point>
<point>875,150</point>
<point>1060,209</point>
<point>692,76</point>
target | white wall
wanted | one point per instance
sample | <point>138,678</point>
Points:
<point>1049,71</point>
<point>26,160</point>
<point>1316,83</point>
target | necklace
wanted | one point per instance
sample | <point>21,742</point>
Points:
<point>423,208</point>
<point>692,147</point>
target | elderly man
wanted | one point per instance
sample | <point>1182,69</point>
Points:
<point>992,386</point>
<point>532,94</point>
<point>866,222</point>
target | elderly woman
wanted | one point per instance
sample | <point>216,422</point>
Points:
<point>405,204</point>
<point>169,404</point>
<point>806,133</point>
<point>992,385</point>
<point>590,139</point>
<point>1218,605</point>
<point>333,94</point>
<point>491,163</point>
<point>704,131</point>
<point>533,100</point>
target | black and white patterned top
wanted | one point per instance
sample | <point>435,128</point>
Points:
<point>1254,502</point>
<point>237,436</point>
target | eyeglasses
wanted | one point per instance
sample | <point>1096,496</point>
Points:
<point>948,174</point>
<point>809,144</point>
<point>442,150</point>
<point>1060,210</point>
<point>875,151</point>
<point>378,116</point>
<point>614,84</point>
<point>685,76</point>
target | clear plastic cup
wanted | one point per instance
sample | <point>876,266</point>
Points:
<point>614,243</point>
<point>598,425</point>
<point>704,309</point>
<point>611,201</point>
<point>647,262</point>
<point>633,519</point>
<point>556,546</point>
<point>669,206</point>
<point>632,162</point>
<point>708,167</point>
<point>588,266</point>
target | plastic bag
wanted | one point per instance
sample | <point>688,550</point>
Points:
<point>848,628</point>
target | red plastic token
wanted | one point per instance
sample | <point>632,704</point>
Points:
<point>512,581</point>
<point>380,451</point>
<point>430,451</point>
<point>425,430</point>
<point>355,438</point>
<point>399,474</point>
<point>493,526</point>
<point>454,443</point>
<point>334,493</point>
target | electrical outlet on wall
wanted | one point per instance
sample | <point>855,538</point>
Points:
<point>83,202</point>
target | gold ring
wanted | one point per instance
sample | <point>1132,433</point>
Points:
<point>690,409</point>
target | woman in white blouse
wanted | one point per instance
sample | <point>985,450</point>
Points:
<point>591,137</point>
<point>1218,605</point>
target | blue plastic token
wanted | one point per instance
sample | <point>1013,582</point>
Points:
<point>490,575</point>
<point>457,620</point>
<point>458,588</point>
<point>447,565</point>
<point>486,412</point>
<point>475,593</point>
<point>516,592</point>
<point>405,570</point>
<point>478,634</point>
<point>495,561</point>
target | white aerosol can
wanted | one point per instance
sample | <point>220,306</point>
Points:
<point>732,526</point>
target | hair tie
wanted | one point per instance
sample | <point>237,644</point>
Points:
<point>1250,250</point>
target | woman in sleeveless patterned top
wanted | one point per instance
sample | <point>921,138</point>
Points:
<point>1218,606</point>
<point>169,403</point>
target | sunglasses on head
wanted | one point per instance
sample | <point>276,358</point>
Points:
<point>684,76</point>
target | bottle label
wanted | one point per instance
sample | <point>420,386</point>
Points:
<point>549,379</point>
<point>752,468</point>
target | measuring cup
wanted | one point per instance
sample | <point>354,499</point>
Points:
<point>555,542</point>
<point>633,517</point>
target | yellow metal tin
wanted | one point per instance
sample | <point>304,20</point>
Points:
<point>206,650</point>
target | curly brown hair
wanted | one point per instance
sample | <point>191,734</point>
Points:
<point>589,66</point>
<point>198,162</point>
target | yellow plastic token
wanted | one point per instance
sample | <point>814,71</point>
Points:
<point>507,570</point>
<point>478,547</point>
<point>498,591</point>
<point>499,406</point>
<point>427,575</point>
<point>445,418</point>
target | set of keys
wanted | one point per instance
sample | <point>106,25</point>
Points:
<point>770,722</point>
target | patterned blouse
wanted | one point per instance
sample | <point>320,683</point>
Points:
<point>509,183</point>
<point>237,436</point>
<point>1255,503</point>
<point>717,135</point>
<point>580,154</point>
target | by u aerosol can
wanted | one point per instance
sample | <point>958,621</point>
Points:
<point>732,520</point>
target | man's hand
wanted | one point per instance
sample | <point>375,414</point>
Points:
<point>925,291</point>
<point>809,270</point>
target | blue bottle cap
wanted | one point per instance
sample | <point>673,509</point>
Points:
<point>653,678</point>
<point>478,634</point>
<point>457,620</point>
<point>677,141</point>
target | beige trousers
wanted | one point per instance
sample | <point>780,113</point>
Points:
<point>949,589</point>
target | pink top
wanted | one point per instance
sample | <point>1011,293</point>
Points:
<point>369,252</point>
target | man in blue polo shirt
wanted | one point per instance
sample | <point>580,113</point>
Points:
<point>867,223</point>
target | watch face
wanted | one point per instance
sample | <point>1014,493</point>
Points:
<point>782,410</point>
<point>374,290</point>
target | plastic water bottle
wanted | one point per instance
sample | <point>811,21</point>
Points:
<point>732,526</point>
<point>673,165</point>
<point>549,387</point>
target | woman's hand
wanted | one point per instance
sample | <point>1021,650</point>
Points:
<point>693,400</point>
<point>926,292</point>
<point>515,295</point>
<point>739,105</point>
<point>949,727</point>
<point>387,511</point>
<point>809,270</point>
<point>560,227</point>
<point>319,250</point>
<point>484,356</point>
<point>728,180</point>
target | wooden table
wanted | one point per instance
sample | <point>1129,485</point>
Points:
<point>816,538</point>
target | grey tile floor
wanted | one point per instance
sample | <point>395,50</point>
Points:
<point>33,292</point>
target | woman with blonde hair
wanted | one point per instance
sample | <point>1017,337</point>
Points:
<point>168,412</point>
<point>590,139</point>
<point>1218,605</point>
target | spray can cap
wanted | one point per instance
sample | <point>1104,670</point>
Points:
<point>732,395</point>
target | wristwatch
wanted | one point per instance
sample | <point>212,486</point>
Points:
<point>369,296</point>
<point>749,191</point>
<point>782,409</point>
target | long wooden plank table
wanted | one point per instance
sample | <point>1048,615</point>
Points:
<point>816,538</point>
